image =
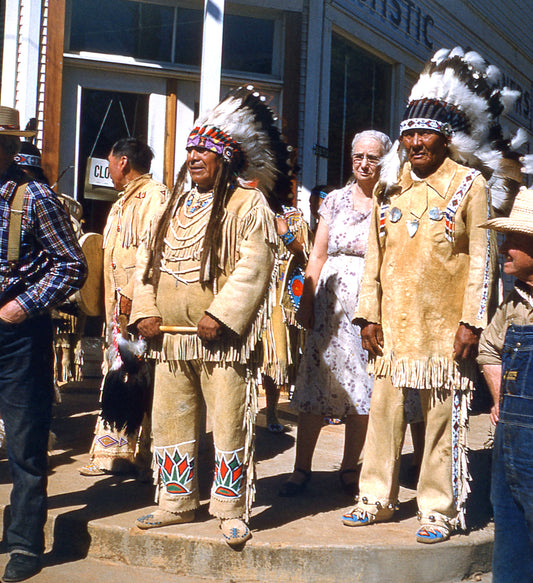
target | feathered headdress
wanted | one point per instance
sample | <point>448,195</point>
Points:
<point>458,95</point>
<point>242,130</point>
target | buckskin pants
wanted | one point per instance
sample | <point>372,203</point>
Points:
<point>512,462</point>
<point>178,391</point>
<point>379,482</point>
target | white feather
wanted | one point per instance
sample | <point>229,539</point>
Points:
<point>493,74</point>
<point>456,52</point>
<point>390,165</point>
<point>501,196</point>
<point>476,60</point>
<point>462,148</point>
<point>509,97</point>
<point>527,163</point>
<point>519,139</point>
<point>440,55</point>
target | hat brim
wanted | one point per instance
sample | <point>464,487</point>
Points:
<point>509,225</point>
<point>20,133</point>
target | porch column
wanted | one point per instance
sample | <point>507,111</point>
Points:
<point>211,54</point>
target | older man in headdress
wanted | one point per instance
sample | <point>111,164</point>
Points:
<point>203,277</point>
<point>426,290</point>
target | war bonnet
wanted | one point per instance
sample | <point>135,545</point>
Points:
<point>459,95</point>
<point>242,129</point>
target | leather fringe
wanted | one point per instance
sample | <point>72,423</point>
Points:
<point>428,373</point>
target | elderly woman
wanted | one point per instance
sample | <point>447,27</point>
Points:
<point>332,379</point>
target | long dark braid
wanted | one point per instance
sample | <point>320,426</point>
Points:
<point>222,190</point>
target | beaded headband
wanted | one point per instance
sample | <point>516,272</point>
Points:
<point>426,124</point>
<point>213,139</point>
<point>27,160</point>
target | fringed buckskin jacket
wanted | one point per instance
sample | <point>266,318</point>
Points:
<point>130,216</point>
<point>238,299</point>
<point>281,348</point>
<point>428,269</point>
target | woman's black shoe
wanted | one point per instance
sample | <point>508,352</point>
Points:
<point>290,489</point>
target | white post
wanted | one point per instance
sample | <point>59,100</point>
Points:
<point>313,166</point>
<point>9,63</point>
<point>211,54</point>
<point>20,67</point>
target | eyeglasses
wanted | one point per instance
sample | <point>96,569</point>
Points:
<point>371,160</point>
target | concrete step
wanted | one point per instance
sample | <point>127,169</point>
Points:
<point>61,569</point>
<point>298,539</point>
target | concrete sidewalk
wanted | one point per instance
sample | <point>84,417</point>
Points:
<point>294,539</point>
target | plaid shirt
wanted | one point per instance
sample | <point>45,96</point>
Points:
<point>51,265</point>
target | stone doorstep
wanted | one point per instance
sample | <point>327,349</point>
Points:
<point>208,556</point>
<point>296,540</point>
<point>315,548</point>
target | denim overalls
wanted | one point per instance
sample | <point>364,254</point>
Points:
<point>512,462</point>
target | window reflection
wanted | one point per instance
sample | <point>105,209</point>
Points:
<point>146,31</point>
<point>122,27</point>
<point>189,31</point>
<point>359,100</point>
<point>248,44</point>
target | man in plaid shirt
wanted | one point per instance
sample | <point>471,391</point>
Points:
<point>50,267</point>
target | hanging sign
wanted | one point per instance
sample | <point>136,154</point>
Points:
<point>99,172</point>
<point>98,184</point>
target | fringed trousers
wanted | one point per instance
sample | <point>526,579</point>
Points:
<point>178,391</point>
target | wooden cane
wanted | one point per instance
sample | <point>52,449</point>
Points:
<point>179,329</point>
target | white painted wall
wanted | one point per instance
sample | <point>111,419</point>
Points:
<point>20,66</point>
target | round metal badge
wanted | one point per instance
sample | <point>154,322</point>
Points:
<point>435,213</point>
<point>395,214</point>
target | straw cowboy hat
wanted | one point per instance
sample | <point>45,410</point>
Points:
<point>520,220</point>
<point>10,125</point>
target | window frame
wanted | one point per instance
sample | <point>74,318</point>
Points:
<point>234,9</point>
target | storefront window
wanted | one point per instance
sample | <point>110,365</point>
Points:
<point>122,27</point>
<point>359,100</point>
<point>145,31</point>
<point>189,37</point>
<point>248,44</point>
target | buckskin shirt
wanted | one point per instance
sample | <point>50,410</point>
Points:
<point>421,288</point>
<point>126,224</point>
<point>222,372</point>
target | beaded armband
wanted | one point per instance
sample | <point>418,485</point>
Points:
<point>287,238</point>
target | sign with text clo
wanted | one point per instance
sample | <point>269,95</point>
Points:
<point>98,184</point>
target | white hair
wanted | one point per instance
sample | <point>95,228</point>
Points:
<point>380,137</point>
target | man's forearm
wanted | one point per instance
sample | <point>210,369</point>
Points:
<point>493,376</point>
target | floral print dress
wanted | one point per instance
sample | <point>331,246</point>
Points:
<point>332,378</point>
